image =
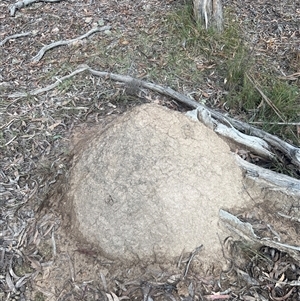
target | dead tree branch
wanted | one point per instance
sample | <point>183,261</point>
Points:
<point>47,88</point>
<point>67,42</point>
<point>256,172</point>
<point>15,36</point>
<point>256,140</point>
<point>23,3</point>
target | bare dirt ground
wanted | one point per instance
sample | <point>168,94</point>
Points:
<point>38,259</point>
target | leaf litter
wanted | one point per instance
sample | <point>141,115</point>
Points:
<point>37,260</point>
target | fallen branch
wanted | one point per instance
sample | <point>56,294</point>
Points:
<point>246,231</point>
<point>292,152</point>
<point>24,3</point>
<point>15,36</point>
<point>47,88</point>
<point>67,42</point>
<point>258,173</point>
<point>253,144</point>
<point>259,141</point>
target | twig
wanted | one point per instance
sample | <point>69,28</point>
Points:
<point>277,123</point>
<point>67,42</point>
<point>15,36</point>
<point>23,3</point>
<point>217,297</point>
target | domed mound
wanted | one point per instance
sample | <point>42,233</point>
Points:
<point>150,185</point>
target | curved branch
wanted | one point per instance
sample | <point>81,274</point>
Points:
<point>47,88</point>
<point>292,152</point>
<point>259,141</point>
<point>15,36</point>
<point>256,172</point>
<point>23,3</point>
<point>67,42</point>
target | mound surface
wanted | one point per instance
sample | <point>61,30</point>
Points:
<point>150,185</point>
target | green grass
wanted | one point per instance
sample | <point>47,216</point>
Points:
<point>236,65</point>
<point>274,115</point>
<point>255,93</point>
<point>176,51</point>
<point>39,296</point>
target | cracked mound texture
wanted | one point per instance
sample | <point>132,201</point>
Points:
<point>150,185</point>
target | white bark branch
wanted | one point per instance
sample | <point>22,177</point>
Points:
<point>15,36</point>
<point>23,3</point>
<point>246,231</point>
<point>47,88</point>
<point>254,144</point>
<point>258,173</point>
<point>67,42</point>
<point>292,152</point>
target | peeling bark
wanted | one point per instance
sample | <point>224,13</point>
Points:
<point>209,12</point>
